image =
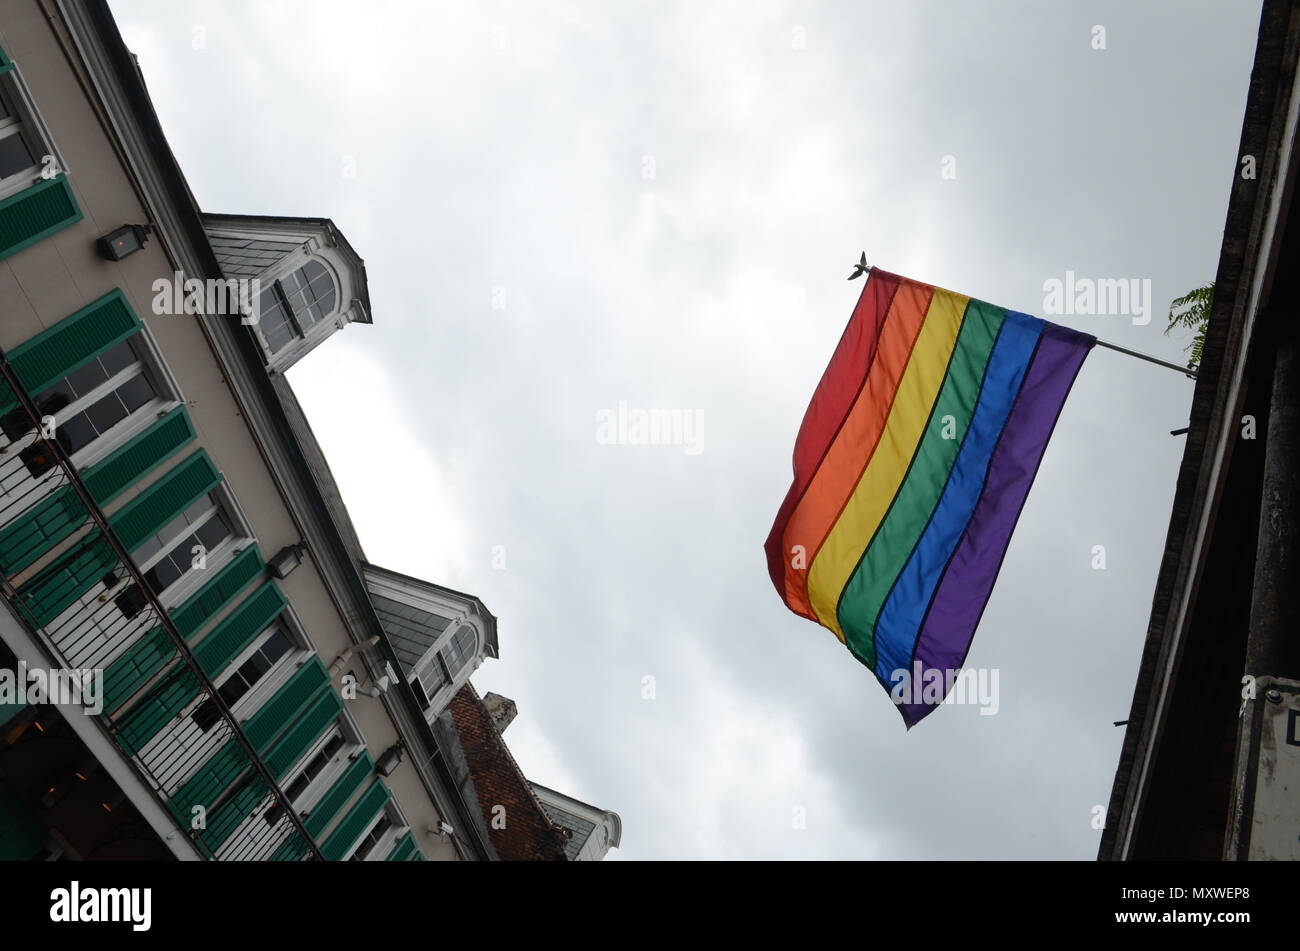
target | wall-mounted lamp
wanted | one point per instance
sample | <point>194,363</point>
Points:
<point>390,760</point>
<point>286,559</point>
<point>379,687</point>
<point>127,239</point>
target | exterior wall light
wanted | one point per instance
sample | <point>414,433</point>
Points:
<point>286,559</point>
<point>127,239</point>
<point>389,761</point>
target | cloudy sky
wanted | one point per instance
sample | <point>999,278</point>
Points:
<point>565,206</point>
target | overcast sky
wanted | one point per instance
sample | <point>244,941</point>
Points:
<point>563,206</point>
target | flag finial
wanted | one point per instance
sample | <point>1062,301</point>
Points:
<point>862,267</point>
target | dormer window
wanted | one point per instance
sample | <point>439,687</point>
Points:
<point>439,636</point>
<point>460,649</point>
<point>310,281</point>
<point>443,665</point>
<point>294,304</point>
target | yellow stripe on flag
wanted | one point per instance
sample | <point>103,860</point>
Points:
<point>917,391</point>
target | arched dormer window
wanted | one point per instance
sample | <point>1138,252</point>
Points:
<point>295,303</point>
<point>445,665</point>
<point>310,282</point>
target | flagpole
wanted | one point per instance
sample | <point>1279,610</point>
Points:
<point>1149,359</point>
<point>862,267</point>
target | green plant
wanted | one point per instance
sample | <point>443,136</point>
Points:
<point>1192,311</point>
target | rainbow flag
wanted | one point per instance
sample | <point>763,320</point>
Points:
<point>911,467</point>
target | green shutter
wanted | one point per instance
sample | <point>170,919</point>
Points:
<point>403,849</point>
<point>218,591</point>
<point>53,354</point>
<point>38,530</point>
<point>206,786</point>
<point>276,714</point>
<point>226,818</point>
<point>129,672</point>
<point>355,823</point>
<point>6,63</point>
<point>36,213</point>
<point>171,495</point>
<point>126,465</point>
<point>59,514</point>
<point>293,745</point>
<point>240,628</point>
<point>73,574</point>
<point>291,850</point>
<point>161,704</point>
<point>332,803</point>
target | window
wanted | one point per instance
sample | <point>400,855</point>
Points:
<point>268,649</point>
<point>27,150</point>
<point>372,838</point>
<point>19,156</point>
<point>291,306</point>
<point>254,669</point>
<point>310,770</point>
<point>443,667</point>
<point>458,652</point>
<point>88,402</point>
<point>433,678</point>
<point>169,556</point>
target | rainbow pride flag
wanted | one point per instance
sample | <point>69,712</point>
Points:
<point>911,467</point>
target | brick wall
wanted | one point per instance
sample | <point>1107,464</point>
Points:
<point>529,835</point>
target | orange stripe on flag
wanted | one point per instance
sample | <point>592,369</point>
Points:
<point>838,474</point>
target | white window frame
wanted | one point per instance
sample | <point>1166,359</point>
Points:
<point>354,745</point>
<point>431,660</point>
<point>142,417</point>
<point>167,396</point>
<point>178,590</point>
<point>240,537</point>
<point>296,651</point>
<point>300,651</point>
<point>275,678</point>
<point>455,679</point>
<point>299,346</point>
<point>384,847</point>
<point>384,844</point>
<point>26,118</point>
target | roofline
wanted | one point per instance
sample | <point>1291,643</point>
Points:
<point>331,229</point>
<point>490,619</point>
<point>616,822</point>
<point>472,692</point>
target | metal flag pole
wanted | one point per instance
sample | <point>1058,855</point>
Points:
<point>1149,359</point>
<point>862,267</point>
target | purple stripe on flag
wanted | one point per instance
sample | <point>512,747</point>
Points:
<point>964,589</point>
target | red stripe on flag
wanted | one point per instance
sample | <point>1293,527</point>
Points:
<point>831,402</point>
